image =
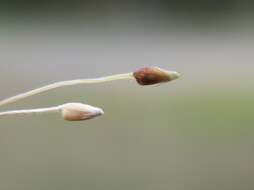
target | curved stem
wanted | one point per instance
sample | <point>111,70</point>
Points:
<point>31,111</point>
<point>65,83</point>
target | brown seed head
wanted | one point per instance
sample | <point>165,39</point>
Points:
<point>154,75</point>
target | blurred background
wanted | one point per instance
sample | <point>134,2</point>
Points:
<point>195,133</point>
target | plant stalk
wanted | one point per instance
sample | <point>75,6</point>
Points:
<point>66,83</point>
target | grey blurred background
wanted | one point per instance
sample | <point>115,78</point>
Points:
<point>195,133</point>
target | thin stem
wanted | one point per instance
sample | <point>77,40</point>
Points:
<point>66,83</point>
<point>31,111</point>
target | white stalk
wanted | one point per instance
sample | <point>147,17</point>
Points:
<point>31,111</point>
<point>65,83</point>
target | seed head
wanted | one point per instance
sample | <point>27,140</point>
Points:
<point>154,75</point>
<point>78,111</point>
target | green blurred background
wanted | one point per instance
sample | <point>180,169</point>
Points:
<point>195,133</point>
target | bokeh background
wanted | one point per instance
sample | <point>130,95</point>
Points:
<point>195,133</point>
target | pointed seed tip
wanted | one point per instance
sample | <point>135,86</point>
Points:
<point>174,75</point>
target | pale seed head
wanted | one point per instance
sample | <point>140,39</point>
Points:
<point>154,75</point>
<point>79,112</point>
